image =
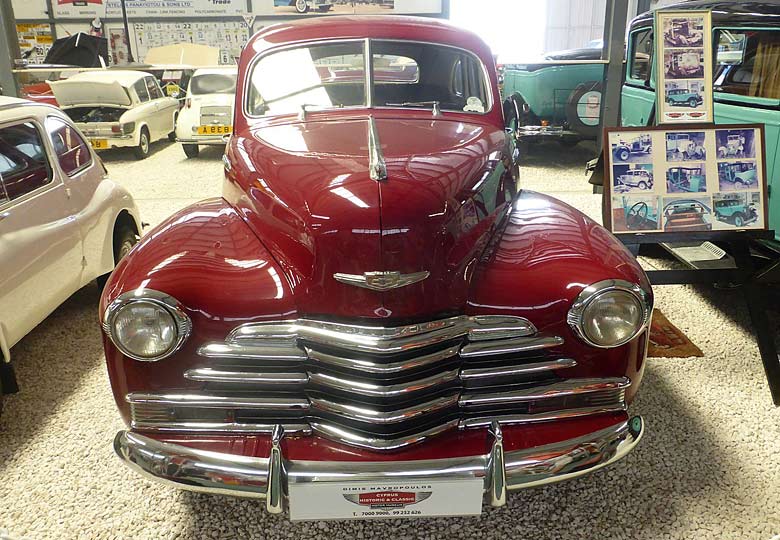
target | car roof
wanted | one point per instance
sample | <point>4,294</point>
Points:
<point>6,101</point>
<point>389,27</point>
<point>123,77</point>
<point>764,13</point>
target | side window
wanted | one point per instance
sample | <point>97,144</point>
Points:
<point>71,150</point>
<point>746,63</point>
<point>140,89</point>
<point>153,88</point>
<point>23,164</point>
<point>641,55</point>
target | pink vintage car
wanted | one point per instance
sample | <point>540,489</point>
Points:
<point>371,321</point>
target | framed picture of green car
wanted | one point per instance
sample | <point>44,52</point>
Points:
<point>685,179</point>
<point>684,67</point>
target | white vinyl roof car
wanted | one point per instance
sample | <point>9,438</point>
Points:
<point>207,115</point>
<point>63,222</point>
<point>118,108</point>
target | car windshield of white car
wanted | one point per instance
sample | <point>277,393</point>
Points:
<point>213,83</point>
<point>405,74</point>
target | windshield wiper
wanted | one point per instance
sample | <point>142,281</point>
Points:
<point>435,104</point>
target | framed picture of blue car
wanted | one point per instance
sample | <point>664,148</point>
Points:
<point>709,179</point>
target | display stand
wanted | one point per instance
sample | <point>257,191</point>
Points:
<point>743,273</point>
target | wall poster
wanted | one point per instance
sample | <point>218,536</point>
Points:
<point>35,40</point>
<point>685,179</point>
<point>684,67</point>
<point>228,37</point>
<point>107,9</point>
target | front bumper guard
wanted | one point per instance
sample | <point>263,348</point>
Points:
<point>267,478</point>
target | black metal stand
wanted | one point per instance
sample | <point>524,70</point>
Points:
<point>745,274</point>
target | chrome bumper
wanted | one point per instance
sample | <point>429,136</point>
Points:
<point>268,478</point>
<point>213,141</point>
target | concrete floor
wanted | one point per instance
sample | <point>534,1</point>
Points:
<point>708,467</point>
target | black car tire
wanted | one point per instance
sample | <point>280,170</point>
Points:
<point>301,6</point>
<point>572,114</point>
<point>642,185</point>
<point>191,150</point>
<point>623,154</point>
<point>739,184</point>
<point>739,220</point>
<point>172,134</point>
<point>142,150</point>
<point>124,240</point>
<point>692,103</point>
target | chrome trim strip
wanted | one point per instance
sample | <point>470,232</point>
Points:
<point>504,372</point>
<point>352,438</point>
<point>520,419</point>
<point>230,427</point>
<point>192,469</point>
<point>509,346</point>
<point>377,168</point>
<point>363,413</point>
<point>274,503</point>
<point>381,281</point>
<point>253,378</point>
<point>499,327</point>
<point>218,402</point>
<point>496,467</point>
<point>385,391</point>
<point>227,351</point>
<point>565,388</point>
<point>368,366</point>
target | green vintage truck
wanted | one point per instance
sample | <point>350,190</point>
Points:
<point>746,75</point>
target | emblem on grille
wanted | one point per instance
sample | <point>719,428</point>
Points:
<point>381,281</point>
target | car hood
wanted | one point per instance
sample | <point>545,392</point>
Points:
<point>306,191</point>
<point>82,93</point>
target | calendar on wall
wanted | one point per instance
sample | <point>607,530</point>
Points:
<point>228,37</point>
<point>35,40</point>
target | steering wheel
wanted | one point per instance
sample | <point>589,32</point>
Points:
<point>637,214</point>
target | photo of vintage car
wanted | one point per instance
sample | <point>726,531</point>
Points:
<point>207,115</point>
<point>737,209</point>
<point>686,179</point>
<point>683,97</point>
<point>304,6</point>
<point>684,63</point>
<point>685,146</point>
<point>627,178</point>
<point>634,213</point>
<point>63,221</point>
<point>633,147</point>
<point>687,215</point>
<point>118,109</point>
<point>684,32</point>
<point>340,302</point>
<point>737,175</point>
<point>735,143</point>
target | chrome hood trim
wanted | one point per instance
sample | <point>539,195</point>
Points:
<point>381,281</point>
<point>376,166</point>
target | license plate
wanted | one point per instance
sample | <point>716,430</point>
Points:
<point>377,500</point>
<point>99,144</point>
<point>215,130</point>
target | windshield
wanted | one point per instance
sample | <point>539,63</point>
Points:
<point>333,75</point>
<point>213,83</point>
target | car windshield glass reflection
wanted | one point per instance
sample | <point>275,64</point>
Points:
<point>213,84</point>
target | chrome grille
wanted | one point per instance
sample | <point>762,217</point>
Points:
<point>216,116</point>
<point>379,388</point>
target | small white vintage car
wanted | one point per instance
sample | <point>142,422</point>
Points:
<point>207,115</point>
<point>63,222</point>
<point>117,108</point>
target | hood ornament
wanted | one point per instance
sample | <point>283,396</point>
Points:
<point>377,169</point>
<point>381,281</point>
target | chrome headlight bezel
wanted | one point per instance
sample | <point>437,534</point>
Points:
<point>593,292</point>
<point>160,299</point>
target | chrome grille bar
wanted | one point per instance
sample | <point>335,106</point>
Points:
<point>384,391</point>
<point>219,402</point>
<point>362,413</point>
<point>353,438</point>
<point>510,346</point>
<point>369,366</point>
<point>510,372</point>
<point>509,419</point>
<point>562,389</point>
<point>230,351</point>
<point>243,377</point>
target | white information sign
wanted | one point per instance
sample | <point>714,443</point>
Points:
<point>81,9</point>
<point>377,500</point>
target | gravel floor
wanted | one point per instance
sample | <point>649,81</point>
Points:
<point>707,468</point>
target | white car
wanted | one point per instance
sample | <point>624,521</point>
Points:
<point>118,109</point>
<point>63,222</point>
<point>207,115</point>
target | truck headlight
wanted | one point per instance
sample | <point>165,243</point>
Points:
<point>610,313</point>
<point>146,325</point>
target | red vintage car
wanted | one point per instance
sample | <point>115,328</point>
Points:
<point>372,321</point>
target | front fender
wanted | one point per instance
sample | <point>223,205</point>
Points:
<point>546,255</point>
<point>207,258</point>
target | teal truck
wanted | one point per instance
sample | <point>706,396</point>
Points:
<point>565,97</point>
<point>747,58</point>
<point>737,212</point>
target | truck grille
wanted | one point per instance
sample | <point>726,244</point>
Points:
<point>378,388</point>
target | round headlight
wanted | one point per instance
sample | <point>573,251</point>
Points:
<point>146,325</point>
<point>610,313</point>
